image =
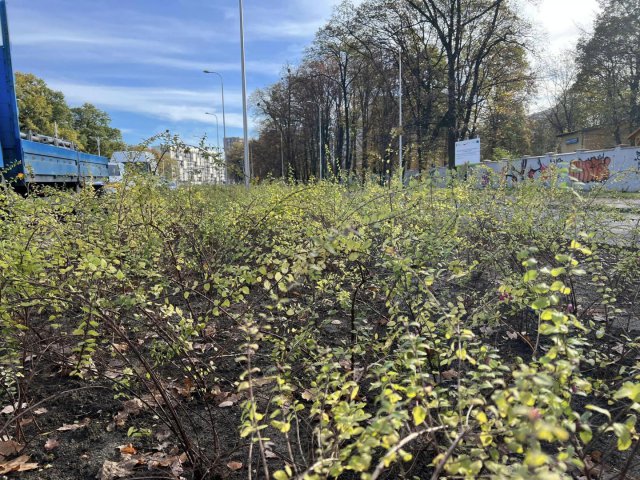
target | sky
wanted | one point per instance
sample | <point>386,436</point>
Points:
<point>142,60</point>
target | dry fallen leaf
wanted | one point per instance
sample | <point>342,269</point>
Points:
<point>209,331</point>
<point>25,421</point>
<point>133,406</point>
<point>9,409</point>
<point>111,470</point>
<point>74,426</point>
<point>262,381</point>
<point>40,411</point>
<point>127,449</point>
<point>176,468</point>
<point>450,374</point>
<point>228,399</point>
<point>270,454</point>
<point>20,464</point>
<point>10,448</point>
<point>234,466</point>
<point>162,434</point>
<point>345,363</point>
<point>120,347</point>
<point>130,407</point>
<point>161,460</point>
<point>51,444</point>
<point>512,335</point>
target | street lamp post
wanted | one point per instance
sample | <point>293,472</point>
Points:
<point>245,120</point>
<point>217,128</point>
<point>224,123</point>
<point>98,139</point>
<point>282,154</point>
<point>213,169</point>
<point>400,121</point>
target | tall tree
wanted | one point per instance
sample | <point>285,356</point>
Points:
<point>41,109</point>
<point>472,34</point>
<point>352,72</point>
<point>609,62</point>
<point>567,110</point>
<point>94,125</point>
<point>45,111</point>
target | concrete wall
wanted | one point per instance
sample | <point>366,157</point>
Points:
<point>618,168</point>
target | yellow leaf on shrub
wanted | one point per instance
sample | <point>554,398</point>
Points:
<point>535,459</point>
<point>482,417</point>
<point>419,415</point>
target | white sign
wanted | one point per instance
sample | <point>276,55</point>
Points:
<point>468,151</point>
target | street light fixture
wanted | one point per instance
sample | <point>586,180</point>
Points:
<point>224,122</point>
<point>400,120</point>
<point>215,170</point>
<point>245,120</point>
<point>217,128</point>
<point>98,140</point>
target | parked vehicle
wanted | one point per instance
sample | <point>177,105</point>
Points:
<point>32,158</point>
<point>129,161</point>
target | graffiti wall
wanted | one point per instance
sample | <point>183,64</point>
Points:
<point>615,169</point>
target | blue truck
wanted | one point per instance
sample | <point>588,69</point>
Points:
<point>28,158</point>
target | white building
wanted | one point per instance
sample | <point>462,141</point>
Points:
<point>198,166</point>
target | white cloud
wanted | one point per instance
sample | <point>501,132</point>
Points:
<point>287,29</point>
<point>562,24</point>
<point>253,67</point>
<point>296,19</point>
<point>563,21</point>
<point>174,105</point>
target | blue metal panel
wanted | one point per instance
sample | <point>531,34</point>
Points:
<point>9,127</point>
<point>47,163</point>
<point>93,169</point>
<point>50,164</point>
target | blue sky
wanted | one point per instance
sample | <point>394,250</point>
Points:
<point>141,60</point>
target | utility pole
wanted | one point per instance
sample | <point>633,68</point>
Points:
<point>213,166</point>
<point>97,139</point>
<point>245,121</point>
<point>400,122</point>
<point>217,129</point>
<point>320,138</point>
<point>282,154</point>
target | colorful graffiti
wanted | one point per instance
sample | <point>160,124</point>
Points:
<point>594,169</point>
<point>618,168</point>
<point>528,169</point>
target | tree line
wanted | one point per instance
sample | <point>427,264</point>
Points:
<point>466,73</point>
<point>598,82</point>
<point>45,111</point>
